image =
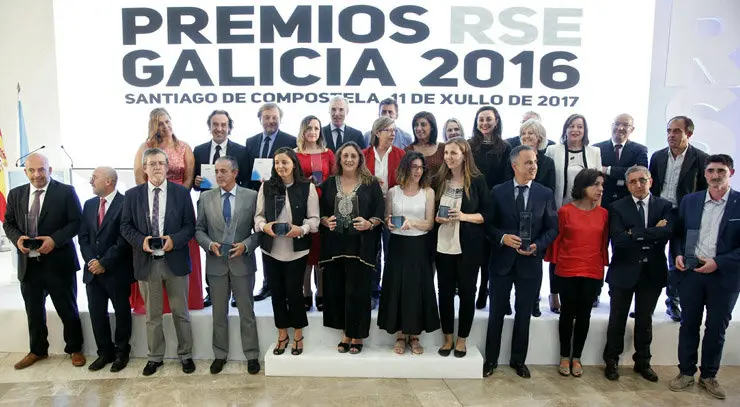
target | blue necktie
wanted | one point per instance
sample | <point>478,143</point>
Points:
<point>227,207</point>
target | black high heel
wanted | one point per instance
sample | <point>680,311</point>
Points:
<point>319,304</point>
<point>280,350</point>
<point>308,302</point>
<point>295,350</point>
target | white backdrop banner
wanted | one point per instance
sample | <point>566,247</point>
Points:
<point>119,59</point>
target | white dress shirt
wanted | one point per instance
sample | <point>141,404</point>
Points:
<point>672,173</point>
<point>645,203</point>
<point>334,132</point>
<point>706,246</point>
<point>213,150</point>
<point>381,168</point>
<point>109,200</point>
<point>31,191</point>
<point>232,199</point>
<point>162,210</point>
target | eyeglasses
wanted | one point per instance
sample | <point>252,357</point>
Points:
<point>389,130</point>
<point>641,181</point>
<point>156,163</point>
<point>417,167</point>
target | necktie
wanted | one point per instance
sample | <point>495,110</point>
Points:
<point>101,212</point>
<point>155,213</point>
<point>641,212</point>
<point>217,155</point>
<point>33,216</point>
<point>266,148</point>
<point>227,208</point>
<point>339,137</point>
<point>520,197</point>
<point>617,150</point>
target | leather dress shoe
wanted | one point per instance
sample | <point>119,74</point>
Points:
<point>188,366</point>
<point>217,366</point>
<point>596,303</point>
<point>151,368</point>
<point>233,301</point>
<point>674,312</point>
<point>78,359</point>
<point>119,364</point>
<point>536,310</point>
<point>632,314</point>
<point>521,370</point>
<point>611,371</point>
<point>207,301</point>
<point>99,363</point>
<point>482,299</point>
<point>646,371</point>
<point>263,294</point>
<point>253,366</point>
<point>28,360</point>
<point>488,368</point>
<point>508,310</point>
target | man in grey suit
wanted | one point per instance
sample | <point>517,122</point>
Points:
<point>224,231</point>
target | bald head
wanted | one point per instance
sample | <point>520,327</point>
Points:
<point>103,181</point>
<point>622,128</point>
<point>38,170</point>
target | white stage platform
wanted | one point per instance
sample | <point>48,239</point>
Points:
<point>377,358</point>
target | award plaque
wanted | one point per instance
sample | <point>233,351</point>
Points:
<point>280,228</point>
<point>525,229</point>
<point>346,208</point>
<point>227,240</point>
<point>444,211</point>
<point>692,239</point>
<point>31,243</point>
<point>397,221</point>
<point>317,173</point>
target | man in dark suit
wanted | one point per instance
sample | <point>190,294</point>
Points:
<point>677,170</point>
<point>516,141</point>
<point>337,132</point>
<point>48,213</point>
<point>617,155</point>
<point>220,125</point>
<point>158,221</point>
<point>510,264</point>
<point>709,276</point>
<point>640,226</point>
<point>261,146</point>
<point>108,270</point>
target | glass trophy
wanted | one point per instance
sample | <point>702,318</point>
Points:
<point>227,240</point>
<point>525,230</point>
<point>317,169</point>
<point>346,209</point>
<point>397,220</point>
<point>443,211</point>
<point>692,239</point>
<point>280,228</point>
<point>32,243</point>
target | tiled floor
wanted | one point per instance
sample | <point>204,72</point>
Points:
<point>55,382</point>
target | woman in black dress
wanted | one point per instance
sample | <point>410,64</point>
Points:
<point>351,208</point>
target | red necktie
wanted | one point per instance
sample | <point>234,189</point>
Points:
<point>101,212</point>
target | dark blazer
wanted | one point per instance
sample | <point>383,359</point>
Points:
<point>350,134</point>
<point>105,243</point>
<point>59,219</point>
<point>202,155</point>
<point>691,178</point>
<point>504,219</point>
<point>636,248</point>
<point>728,241</point>
<point>473,236</point>
<point>179,224</point>
<point>252,151</point>
<point>545,171</point>
<point>632,154</point>
<point>516,141</point>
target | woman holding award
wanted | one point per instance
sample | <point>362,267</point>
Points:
<point>461,196</point>
<point>317,164</point>
<point>351,208</point>
<point>287,212</point>
<point>408,304</point>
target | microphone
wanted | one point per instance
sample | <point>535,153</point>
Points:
<point>71,162</point>
<point>18,161</point>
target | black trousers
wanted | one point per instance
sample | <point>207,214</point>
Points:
<point>62,288</point>
<point>646,296</point>
<point>484,273</point>
<point>99,291</point>
<point>526,293</point>
<point>347,283</point>
<point>698,291</point>
<point>286,283</point>
<point>453,272</point>
<point>577,295</point>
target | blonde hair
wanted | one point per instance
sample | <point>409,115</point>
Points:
<point>539,131</point>
<point>301,141</point>
<point>378,125</point>
<point>154,139</point>
<point>469,169</point>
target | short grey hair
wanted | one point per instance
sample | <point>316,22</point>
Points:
<point>110,173</point>
<point>342,98</point>
<point>153,151</point>
<point>637,168</point>
<point>229,159</point>
<point>517,150</point>
<point>532,115</point>
<point>539,131</point>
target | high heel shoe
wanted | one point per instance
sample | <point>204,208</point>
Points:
<point>554,303</point>
<point>279,350</point>
<point>308,302</point>
<point>295,350</point>
<point>319,304</point>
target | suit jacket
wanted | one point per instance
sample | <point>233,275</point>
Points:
<point>105,243</point>
<point>504,219</point>
<point>728,241</point>
<point>202,155</point>
<point>350,134</point>
<point>516,141</point>
<point>179,224</point>
<point>545,171</point>
<point>394,160</point>
<point>691,178</point>
<point>59,218</point>
<point>210,227</point>
<point>557,153</point>
<point>635,248</point>
<point>614,184</point>
<point>252,151</point>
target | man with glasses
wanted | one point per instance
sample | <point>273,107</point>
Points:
<point>640,226</point>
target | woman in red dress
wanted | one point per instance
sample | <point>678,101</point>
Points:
<point>580,251</point>
<point>181,170</point>
<point>317,163</point>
